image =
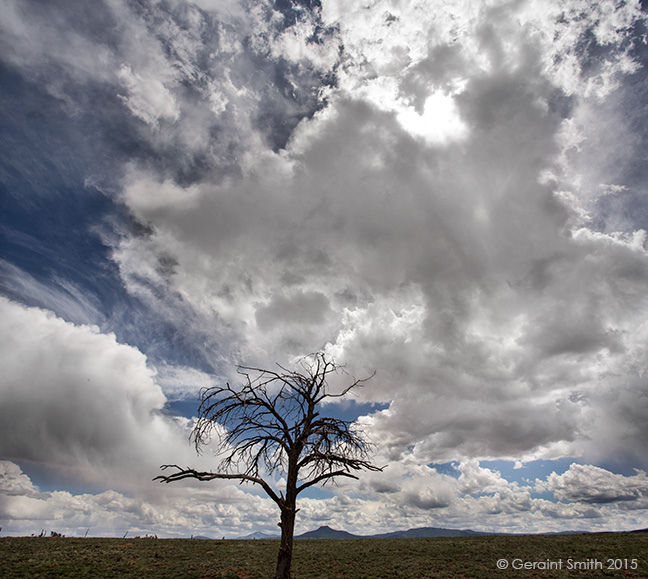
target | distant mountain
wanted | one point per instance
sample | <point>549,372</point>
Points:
<point>258,535</point>
<point>424,532</point>
<point>327,533</point>
<point>427,532</point>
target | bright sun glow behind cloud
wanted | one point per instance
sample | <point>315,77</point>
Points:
<point>439,122</point>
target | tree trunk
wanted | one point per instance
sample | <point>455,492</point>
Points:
<point>288,513</point>
<point>287,525</point>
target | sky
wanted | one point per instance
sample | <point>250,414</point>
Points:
<point>453,194</point>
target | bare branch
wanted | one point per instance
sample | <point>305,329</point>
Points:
<point>357,382</point>
<point>207,476</point>
<point>324,477</point>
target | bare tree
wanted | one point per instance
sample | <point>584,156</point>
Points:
<point>272,423</point>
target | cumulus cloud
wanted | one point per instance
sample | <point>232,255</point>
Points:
<point>178,512</point>
<point>458,267</point>
<point>476,479</point>
<point>418,496</point>
<point>591,484</point>
<point>13,481</point>
<point>410,486</point>
<point>83,411</point>
<point>80,405</point>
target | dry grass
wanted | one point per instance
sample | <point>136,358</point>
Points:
<point>453,558</point>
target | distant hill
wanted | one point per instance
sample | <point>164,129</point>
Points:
<point>424,532</point>
<point>567,533</point>
<point>327,533</point>
<point>258,535</point>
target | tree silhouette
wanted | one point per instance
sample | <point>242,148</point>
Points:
<point>272,423</point>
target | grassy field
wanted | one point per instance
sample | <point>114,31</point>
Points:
<point>456,558</point>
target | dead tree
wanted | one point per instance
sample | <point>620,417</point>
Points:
<point>272,423</point>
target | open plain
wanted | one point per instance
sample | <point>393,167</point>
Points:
<point>619,555</point>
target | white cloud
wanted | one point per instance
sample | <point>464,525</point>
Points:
<point>146,195</point>
<point>147,98</point>
<point>452,267</point>
<point>170,512</point>
<point>82,406</point>
<point>13,481</point>
<point>182,382</point>
<point>439,121</point>
<point>594,485</point>
<point>300,44</point>
<point>405,496</point>
<point>476,479</point>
